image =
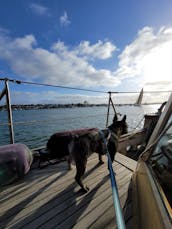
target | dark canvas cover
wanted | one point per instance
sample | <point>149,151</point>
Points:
<point>15,162</point>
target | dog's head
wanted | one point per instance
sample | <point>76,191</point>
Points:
<point>119,127</point>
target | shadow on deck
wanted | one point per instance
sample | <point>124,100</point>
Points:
<point>50,198</point>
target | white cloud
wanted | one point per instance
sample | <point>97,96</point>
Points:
<point>64,20</point>
<point>159,85</point>
<point>100,50</point>
<point>39,9</point>
<point>148,57</point>
<point>56,66</point>
<point>25,43</point>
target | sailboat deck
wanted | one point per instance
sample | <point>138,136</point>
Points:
<point>50,197</point>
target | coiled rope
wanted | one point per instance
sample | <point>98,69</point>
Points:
<point>118,212</point>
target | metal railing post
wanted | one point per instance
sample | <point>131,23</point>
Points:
<point>113,106</point>
<point>107,119</point>
<point>9,110</point>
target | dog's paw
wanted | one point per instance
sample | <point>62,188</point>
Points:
<point>85,189</point>
<point>69,168</point>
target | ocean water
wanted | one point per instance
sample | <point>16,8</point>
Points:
<point>34,127</point>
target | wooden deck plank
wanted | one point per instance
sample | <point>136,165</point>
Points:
<point>93,200</point>
<point>62,197</point>
<point>47,196</point>
<point>52,182</point>
<point>37,176</point>
<point>125,161</point>
<point>55,205</point>
<point>99,216</point>
<point>48,192</point>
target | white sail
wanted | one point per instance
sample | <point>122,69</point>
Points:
<point>139,100</point>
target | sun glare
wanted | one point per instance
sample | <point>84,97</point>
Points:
<point>157,65</point>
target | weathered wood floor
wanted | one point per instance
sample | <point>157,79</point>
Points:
<point>50,198</point>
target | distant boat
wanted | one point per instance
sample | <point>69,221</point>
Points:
<point>139,100</point>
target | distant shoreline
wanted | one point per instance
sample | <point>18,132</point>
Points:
<point>49,106</point>
<point>57,106</point>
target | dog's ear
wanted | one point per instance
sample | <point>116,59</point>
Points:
<point>115,119</point>
<point>124,118</point>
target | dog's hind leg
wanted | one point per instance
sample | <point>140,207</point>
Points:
<point>69,162</point>
<point>80,170</point>
<point>100,160</point>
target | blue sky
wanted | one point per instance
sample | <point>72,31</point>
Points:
<point>105,45</point>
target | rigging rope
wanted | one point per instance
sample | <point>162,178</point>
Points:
<point>51,85</point>
<point>75,88</point>
<point>138,124</point>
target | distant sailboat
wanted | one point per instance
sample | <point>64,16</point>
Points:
<point>139,100</point>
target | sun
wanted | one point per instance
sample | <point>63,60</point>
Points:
<point>157,65</point>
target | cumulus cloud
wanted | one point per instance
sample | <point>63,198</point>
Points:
<point>64,20</point>
<point>101,50</point>
<point>39,9</point>
<point>158,86</point>
<point>148,56</point>
<point>24,43</point>
<point>60,65</point>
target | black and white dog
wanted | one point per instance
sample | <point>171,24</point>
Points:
<point>77,145</point>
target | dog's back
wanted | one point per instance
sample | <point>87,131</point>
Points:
<point>82,145</point>
<point>58,144</point>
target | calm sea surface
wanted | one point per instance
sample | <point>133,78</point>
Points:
<point>34,127</point>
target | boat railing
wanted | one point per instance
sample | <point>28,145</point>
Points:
<point>6,92</point>
<point>113,95</point>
